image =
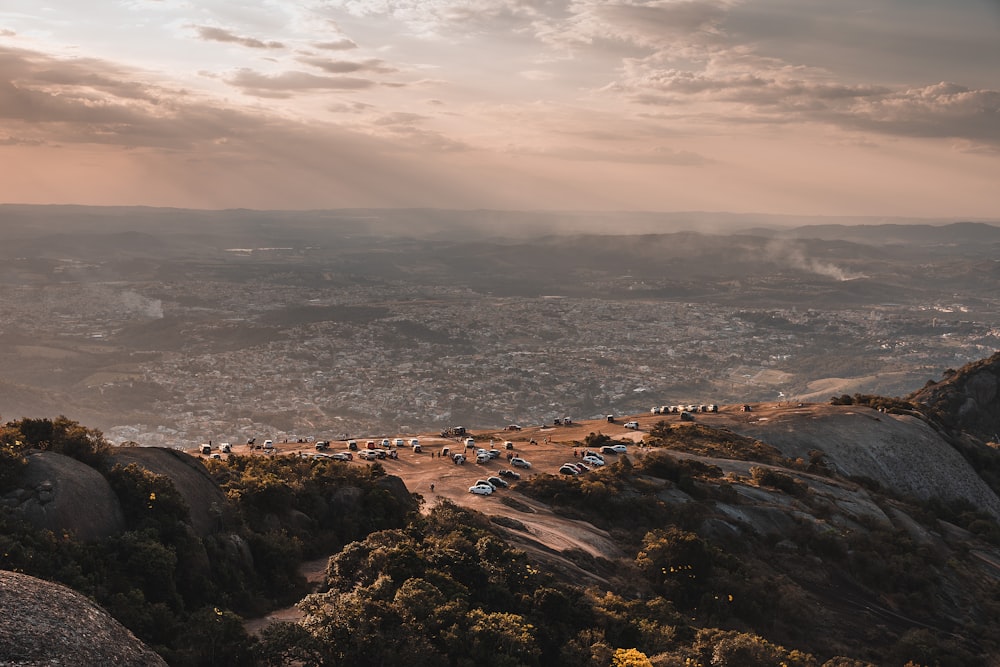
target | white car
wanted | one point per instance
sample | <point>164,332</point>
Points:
<point>632,425</point>
<point>399,442</point>
<point>621,449</point>
<point>593,460</point>
<point>518,462</point>
<point>481,489</point>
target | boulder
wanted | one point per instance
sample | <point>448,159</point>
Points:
<point>49,624</point>
<point>59,493</point>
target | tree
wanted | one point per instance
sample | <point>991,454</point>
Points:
<point>630,657</point>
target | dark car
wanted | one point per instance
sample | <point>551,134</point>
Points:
<point>497,482</point>
<point>509,474</point>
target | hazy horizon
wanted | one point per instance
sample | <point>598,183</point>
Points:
<point>885,109</point>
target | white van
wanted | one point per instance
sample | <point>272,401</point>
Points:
<point>268,445</point>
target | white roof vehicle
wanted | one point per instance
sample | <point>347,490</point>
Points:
<point>593,460</point>
<point>481,489</point>
<point>518,462</point>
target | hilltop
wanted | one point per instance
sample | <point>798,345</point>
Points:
<point>864,529</point>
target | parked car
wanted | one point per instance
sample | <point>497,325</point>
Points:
<point>399,442</point>
<point>632,425</point>
<point>352,445</point>
<point>593,460</point>
<point>512,427</point>
<point>494,453</point>
<point>268,445</point>
<point>518,462</point>
<point>368,454</point>
<point>568,469</point>
<point>497,482</point>
<point>458,458</point>
<point>608,449</point>
<point>386,443</point>
<point>483,458</point>
<point>582,467</point>
<point>342,456</point>
<point>480,482</point>
<point>619,448</point>
<point>508,445</point>
<point>481,489</point>
<point>470,443</point>
<point>226,448</point>
<point>509,474</point>
<point>321,445</point>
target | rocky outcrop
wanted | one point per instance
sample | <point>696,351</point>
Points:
<point>60,494</point>
<point>901,453</point>
<point>968,398</point>
<point>203,497</point>
<point>48,624</point>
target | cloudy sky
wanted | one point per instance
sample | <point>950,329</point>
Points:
<point>852,107</point>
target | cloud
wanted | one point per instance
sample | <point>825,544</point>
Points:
<point>456,19</point>
<point>16,141</point>
<point>347,66</point>
<point>183,147</point>
<point>336,45</point>
<point>213,34</point>
<point>399,118</point>
<point>286,83</point>
<point>779,94</point>
<point>941,110</point>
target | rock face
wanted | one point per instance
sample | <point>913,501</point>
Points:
<point>48,624</point>
<point>969,396</point>
<point>55,488</point>
<point>901,453</point>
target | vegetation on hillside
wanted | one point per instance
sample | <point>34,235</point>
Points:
<point>694,588</point>
<point>181,594</point>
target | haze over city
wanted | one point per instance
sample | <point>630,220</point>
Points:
<point>884,108</point>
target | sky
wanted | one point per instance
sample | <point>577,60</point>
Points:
<point>874,107</point>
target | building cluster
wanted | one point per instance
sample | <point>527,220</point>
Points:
<point>228,361</point>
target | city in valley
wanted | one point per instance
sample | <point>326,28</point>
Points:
<point>236,325</point>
